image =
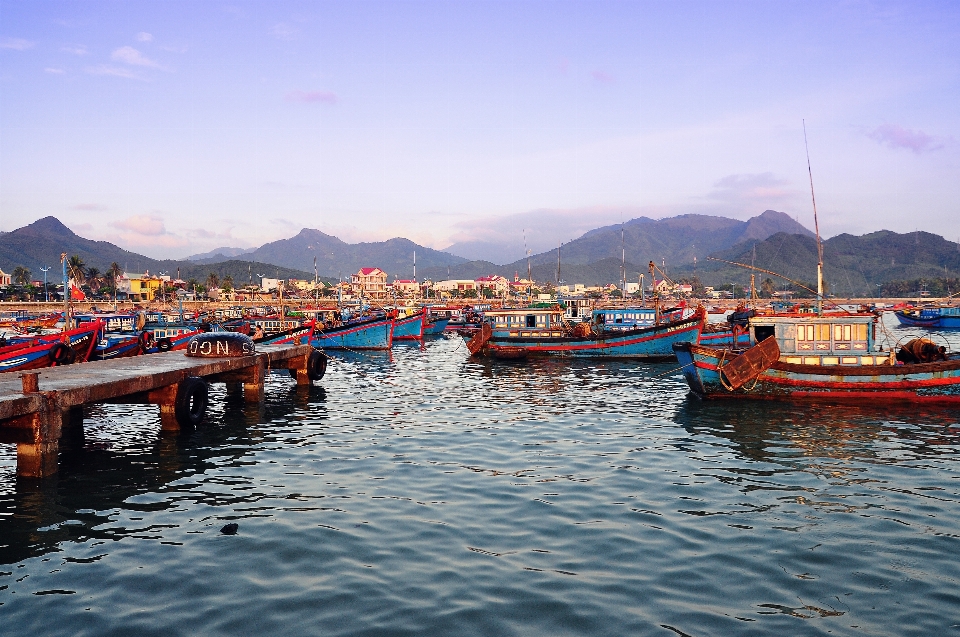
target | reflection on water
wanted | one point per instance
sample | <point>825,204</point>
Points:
<point>421,492</point>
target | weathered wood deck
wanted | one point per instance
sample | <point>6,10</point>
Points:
<point>36,407</point>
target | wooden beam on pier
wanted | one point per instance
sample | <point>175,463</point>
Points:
<point>36,407</point>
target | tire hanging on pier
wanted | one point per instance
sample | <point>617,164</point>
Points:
<point>316,365</point>
<point>190,406</point>
<point>164,345</point>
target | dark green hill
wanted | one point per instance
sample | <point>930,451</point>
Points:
<point>395,256</point>
<point>41,243</point>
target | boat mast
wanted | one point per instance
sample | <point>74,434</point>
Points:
<point>816,227</point>
<point>529,276</point>
<point>66,293</point>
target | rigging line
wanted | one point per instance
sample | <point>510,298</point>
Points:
<point>750,267</point>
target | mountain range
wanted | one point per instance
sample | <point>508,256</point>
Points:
<point>684,245</point>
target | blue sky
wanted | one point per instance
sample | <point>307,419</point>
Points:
<point>176,127</point>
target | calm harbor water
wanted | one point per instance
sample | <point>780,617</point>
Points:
<point>422,493</point>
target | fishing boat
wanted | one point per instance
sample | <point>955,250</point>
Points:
<point>435,325</point>
<point>299,335</point>
<point>822,357</point>
<point>630,318</point>
<point>930,317</point>
<point>517,333</point>
<point>369,332</point>
<point>410,327</point>
<point>62,348</point>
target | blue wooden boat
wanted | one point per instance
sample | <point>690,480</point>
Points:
<point>363,333</point>
<point>410,327</point>
<point>121,345</point>
<point>300,335</point>
<point>930,317</point>
<point>830,357</point>
<point>435,325</point>
<point>725,335</point>
<point>519,333</point>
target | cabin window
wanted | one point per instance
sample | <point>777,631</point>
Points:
<point>805,333</point>
<point>861,332</point>
<point>763,332</point>
<point>531,320</point>
<point>823,332</point>
<point>842,332</point>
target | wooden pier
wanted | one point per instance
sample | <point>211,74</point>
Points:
<point>38,407</point>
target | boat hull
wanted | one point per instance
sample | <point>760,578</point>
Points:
<point>377,334</point>
<point>649,343</point>
<point>409,328</point>
<point>924,382</point>
<point>928,320</point>
<point>435,327</point>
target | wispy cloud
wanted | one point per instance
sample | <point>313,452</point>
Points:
<point>316,97</point>
<point>17,44</point>
<point>106,69</point>
<point>284,31</point>
<point>133,57</point>
<point>53,71</point>
<point>143,36</point>
<point>895,136</point>
<point>763,189</point>
<point>78,49</point>
<point>602,77</point>
<point>149,225</point>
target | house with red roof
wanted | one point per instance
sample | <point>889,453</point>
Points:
<point>370,283</point>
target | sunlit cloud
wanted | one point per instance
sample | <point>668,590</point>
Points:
<point>284,31</point>
<point>895,136</point>
<point>142,224</point>
<point>602,77</point>
<point>143,36</point>
<point>75,50</point>
<point>315,97</point>
<point>764,189</point>
<point>17,44</point>
<point>133,57</point>
<point>116,71</point>
<point>53,71</point>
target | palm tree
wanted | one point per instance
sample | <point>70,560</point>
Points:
<point>94,280</point>
<point>213,281</point>
<point>21,275</point>
<point>228,283</point>
<point>77,269</point>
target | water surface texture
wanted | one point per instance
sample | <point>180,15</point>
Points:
<point>423,493</point>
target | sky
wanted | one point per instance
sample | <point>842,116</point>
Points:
<point>171,128</point>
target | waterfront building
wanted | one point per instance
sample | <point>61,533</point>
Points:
<point>370,283</point>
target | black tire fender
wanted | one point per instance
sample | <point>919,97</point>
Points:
<point>190,405</point>
<point>316,365</point>
<point>164,345</point>
<point>61,354</point>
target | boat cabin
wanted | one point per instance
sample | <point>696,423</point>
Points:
<point>528,321</point>
<point>841,339</point>
<point>631,318</point>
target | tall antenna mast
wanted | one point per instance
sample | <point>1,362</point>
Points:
<point>559,243</point>
<point>623,264</point>
<point>529,276</point>
<point>816,227</point>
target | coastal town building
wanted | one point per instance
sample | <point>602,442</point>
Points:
<point>370,283</point>
<point>497,284</point>
<point>406,287</point>
<point>140,287</point>
<point>5,279</point>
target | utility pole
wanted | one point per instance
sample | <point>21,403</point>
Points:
<point>45,290</point>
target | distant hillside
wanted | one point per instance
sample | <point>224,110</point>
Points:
<point>595,258</point>
<point>217,254</point>
<point>335,257</point>
<point>853,266</point>
<point>41,243</point>
<point>675,240</point>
